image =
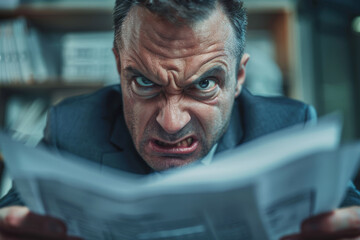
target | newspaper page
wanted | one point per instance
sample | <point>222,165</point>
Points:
<point>261,190</point>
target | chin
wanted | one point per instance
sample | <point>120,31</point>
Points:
<point>161,158</point>
<point>165,163</point>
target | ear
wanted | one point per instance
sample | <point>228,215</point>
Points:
<point>117,58</point>
<point>241,74</point>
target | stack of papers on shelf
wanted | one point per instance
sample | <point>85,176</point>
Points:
<point>8,4</point>
<point>261,190</point>
<point>21,58</point>
<point>88,57</point>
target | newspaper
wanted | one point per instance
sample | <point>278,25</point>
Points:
<point>260,190</point>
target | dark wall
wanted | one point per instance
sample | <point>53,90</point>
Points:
<point>335,58</point>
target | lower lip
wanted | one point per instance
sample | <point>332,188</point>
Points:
<point>174,150</point>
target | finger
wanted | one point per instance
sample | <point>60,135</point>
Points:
<point>338,220</point>
<point>341,223</point>
<point>350,234</point>
<point>19,221</point>
<point>11,237</point>
<point>337,236</point>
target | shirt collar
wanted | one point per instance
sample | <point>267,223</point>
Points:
<point>209,157</point>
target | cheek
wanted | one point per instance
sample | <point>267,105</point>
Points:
<point>137,116</point>
<point>144,113</point>
<point>210,117</point>
<point>213,118</point>
<point>130,112</point>
<point>207,115</point>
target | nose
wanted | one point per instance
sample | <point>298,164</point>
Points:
<point>172,118</point>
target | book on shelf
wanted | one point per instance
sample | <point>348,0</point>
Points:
<point>21,56</point>
<point>88,57</point>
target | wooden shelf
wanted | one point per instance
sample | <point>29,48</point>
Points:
<point>47,88</point>
<point>59,7</point>
<point>107,6</point>
<point>265,6</point>
<point>51,85</point>
<point>61,17</point>
<point>94,16</point>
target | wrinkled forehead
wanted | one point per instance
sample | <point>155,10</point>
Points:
<point>144,27</point>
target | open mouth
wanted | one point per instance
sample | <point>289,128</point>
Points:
<point>184,143</point>
<point>185,146</point>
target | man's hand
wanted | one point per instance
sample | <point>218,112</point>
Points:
<point>341,224</point>
<point>18,223</point>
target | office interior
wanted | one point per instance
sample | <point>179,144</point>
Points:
<point>308,50</point>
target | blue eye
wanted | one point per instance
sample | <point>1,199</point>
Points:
<point>144,82</point>
<point>205,84</point>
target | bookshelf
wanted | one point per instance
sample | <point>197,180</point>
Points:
<point>57,18</point>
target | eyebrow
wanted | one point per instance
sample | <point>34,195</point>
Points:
<point>131,70</point>
<point>216,70</point>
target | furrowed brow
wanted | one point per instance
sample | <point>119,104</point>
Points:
<point>133,71</point>
<point>214,71</point>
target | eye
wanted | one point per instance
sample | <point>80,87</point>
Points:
<point>144,82</point>
<point>205,84</point>
<point>144,87</point>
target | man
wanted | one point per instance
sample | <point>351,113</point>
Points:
<point>182,66</point>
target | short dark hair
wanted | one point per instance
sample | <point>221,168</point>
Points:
<point>188,11</point>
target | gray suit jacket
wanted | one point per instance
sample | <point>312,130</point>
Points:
<point>93,127</point>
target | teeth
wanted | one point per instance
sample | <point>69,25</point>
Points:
<point>184,143</point>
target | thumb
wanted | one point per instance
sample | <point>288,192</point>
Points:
<point>20,220</point>
<point>13,216</point>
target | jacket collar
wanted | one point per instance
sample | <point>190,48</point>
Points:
<point>234,134</point>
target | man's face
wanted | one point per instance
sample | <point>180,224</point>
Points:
<point>178,85</point>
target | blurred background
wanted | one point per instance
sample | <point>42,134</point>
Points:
<point>52,49</point>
